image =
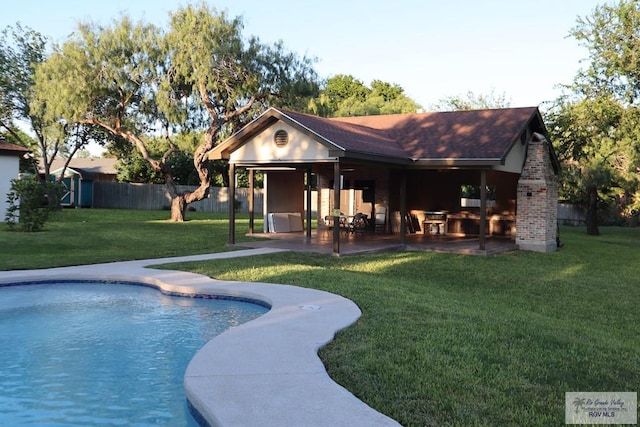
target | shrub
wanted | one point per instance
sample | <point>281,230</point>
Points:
<point>30,202</point>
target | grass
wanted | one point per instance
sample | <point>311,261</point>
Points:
<point>89,236</point>
<point>461,340</point>
<point>443,339</point>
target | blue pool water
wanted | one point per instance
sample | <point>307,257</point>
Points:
<point>107,354</point>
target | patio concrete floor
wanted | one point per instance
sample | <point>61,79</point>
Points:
<point>360,243</point>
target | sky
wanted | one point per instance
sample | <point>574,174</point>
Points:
<point>432,49</point>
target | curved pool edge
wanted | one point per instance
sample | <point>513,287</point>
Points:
<point>264,372</point>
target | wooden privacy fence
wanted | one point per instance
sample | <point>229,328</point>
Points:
<point>117,195</point>
<point>569,214</point>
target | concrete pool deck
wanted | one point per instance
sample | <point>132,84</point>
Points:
<point>265,372</point>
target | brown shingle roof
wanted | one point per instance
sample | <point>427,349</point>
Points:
<point>457,138</point>
<point>474,134</point>
<point>351,137</point>
<point>12,149</point>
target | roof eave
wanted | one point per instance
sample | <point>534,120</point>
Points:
<point>457,162</point>
<point>16,152</point>
<point>367,157</point>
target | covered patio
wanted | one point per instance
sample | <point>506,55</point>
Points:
<point>465,179</point>
<point>321,242</point>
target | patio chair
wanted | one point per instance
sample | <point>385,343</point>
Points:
<point>381,219</point>
<point>328,224</point>
<point>343,223</point>
<point>357,223</point>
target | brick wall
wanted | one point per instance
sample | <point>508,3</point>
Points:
<point>537,200</point>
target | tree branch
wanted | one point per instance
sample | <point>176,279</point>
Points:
<point>12,132</point>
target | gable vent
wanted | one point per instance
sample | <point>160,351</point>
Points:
<point>281,138</point>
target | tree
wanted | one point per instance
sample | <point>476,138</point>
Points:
<point>574,135</point>
<point>337,90</point>
<point>132,167</point>
<point>472,101</point>
<point>22,50</point>
<point>229,79</point>
<point>136,82</point>
<point>103,79</point>
<point>344,95</point>
<point>612,37</point>
<point>595,128</point>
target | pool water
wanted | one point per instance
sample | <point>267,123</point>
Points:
<point>108,354</point>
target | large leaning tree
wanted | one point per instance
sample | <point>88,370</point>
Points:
<point>136,82</point>
<point>228,80</point>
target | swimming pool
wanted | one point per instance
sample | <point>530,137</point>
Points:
<point>103,353</point>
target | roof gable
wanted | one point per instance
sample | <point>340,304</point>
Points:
<point>294,146</point>
<point>68,171</point>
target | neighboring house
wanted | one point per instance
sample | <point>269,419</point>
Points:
<point>10,155</point>
<point>79,178</point>
<point>470,173</point>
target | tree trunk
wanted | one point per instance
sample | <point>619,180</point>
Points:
<point>592,211</point>
<point>178,207</point>
<point>180,201</point>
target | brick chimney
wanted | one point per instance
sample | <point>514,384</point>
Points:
<point>537,199</point>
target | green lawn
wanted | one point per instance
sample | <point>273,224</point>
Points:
<point>443,339</point>
<point>88,236</point>
<point>462,340</point>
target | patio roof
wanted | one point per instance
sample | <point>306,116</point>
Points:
<point>457,138</point>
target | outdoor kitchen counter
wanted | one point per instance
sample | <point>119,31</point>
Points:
<point>468,224</point>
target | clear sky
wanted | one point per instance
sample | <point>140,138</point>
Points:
<point>433,49</point>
